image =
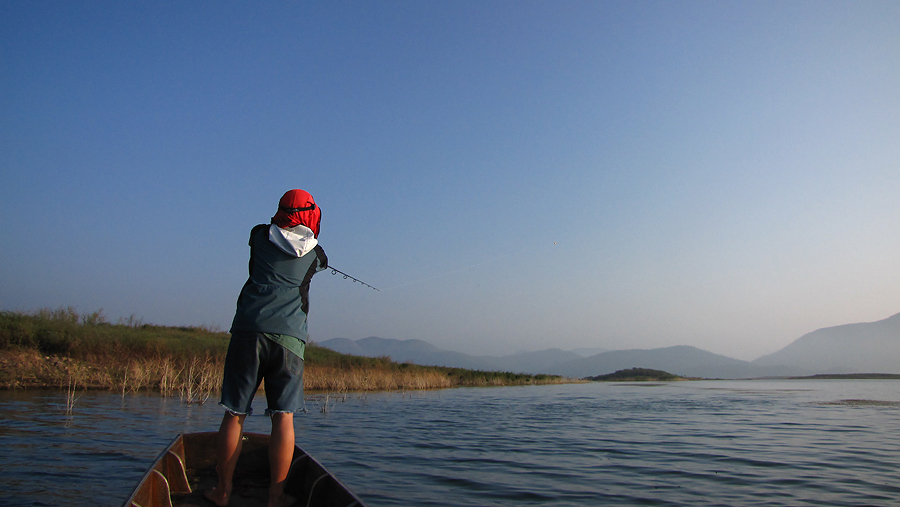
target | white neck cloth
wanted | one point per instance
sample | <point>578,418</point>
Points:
<point>296,241</point>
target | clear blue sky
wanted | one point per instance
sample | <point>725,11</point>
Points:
<point>513,175</point>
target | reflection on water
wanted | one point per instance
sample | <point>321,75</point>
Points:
<point>786,443</point>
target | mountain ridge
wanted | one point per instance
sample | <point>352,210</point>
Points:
<point>868,347</point>
<point>864,347</point>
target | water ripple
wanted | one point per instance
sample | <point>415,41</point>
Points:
<point>786,444</point>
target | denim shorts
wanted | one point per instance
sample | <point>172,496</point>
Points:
<point>253,358</point>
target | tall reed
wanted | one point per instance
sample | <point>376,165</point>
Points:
<point>71,389</point>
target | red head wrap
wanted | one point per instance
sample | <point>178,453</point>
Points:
<point>297,207</point>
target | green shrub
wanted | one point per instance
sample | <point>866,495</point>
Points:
<point>64,332</point>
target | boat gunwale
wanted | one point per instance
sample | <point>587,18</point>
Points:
<point>295,476</point>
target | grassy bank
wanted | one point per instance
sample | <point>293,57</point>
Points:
<point>60,348</point>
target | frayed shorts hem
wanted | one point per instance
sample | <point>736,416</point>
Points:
<point>270,413</point>
<point>233,411</point>
<point>267,413</point>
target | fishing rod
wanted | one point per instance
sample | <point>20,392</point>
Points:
<point>335,271</point>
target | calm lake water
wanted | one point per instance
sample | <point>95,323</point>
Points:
<point>742,443</point>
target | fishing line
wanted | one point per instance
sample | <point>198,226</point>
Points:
<point>463,268</point>
<point>448,273</point>
<point>335,271</point>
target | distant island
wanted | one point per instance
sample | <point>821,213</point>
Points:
<point>637,375</point>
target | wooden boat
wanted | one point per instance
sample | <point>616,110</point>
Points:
<point>188,467</point>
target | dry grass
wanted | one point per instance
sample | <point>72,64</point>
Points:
<point>193,380</point>
<point>339,380</point>
<point>60,349</point>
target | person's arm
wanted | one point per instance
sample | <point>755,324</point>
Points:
<point>321,258</point>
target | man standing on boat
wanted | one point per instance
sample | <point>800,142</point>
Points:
<point>268,338</point>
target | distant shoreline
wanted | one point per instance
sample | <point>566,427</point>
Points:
<point>649,375</point>
<point>60,349</point>
<point>849,376</point>
<point>198,378</point>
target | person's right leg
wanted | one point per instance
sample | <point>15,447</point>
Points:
<point>228,450</point>
<point>284,396</point>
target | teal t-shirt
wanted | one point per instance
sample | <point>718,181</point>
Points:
<point>291,343</point>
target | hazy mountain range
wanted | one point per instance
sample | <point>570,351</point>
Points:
<point>872,347</point>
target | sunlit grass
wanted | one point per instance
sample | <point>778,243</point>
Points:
<point>60,348</point>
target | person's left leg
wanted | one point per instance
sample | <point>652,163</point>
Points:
<point>240,380</point>
<point>281,452</point>
<point>228,450</point>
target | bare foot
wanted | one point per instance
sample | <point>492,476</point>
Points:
<point>217,497</point>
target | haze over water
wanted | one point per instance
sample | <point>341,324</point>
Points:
<point>612,174</point>
<point>748,443</point>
